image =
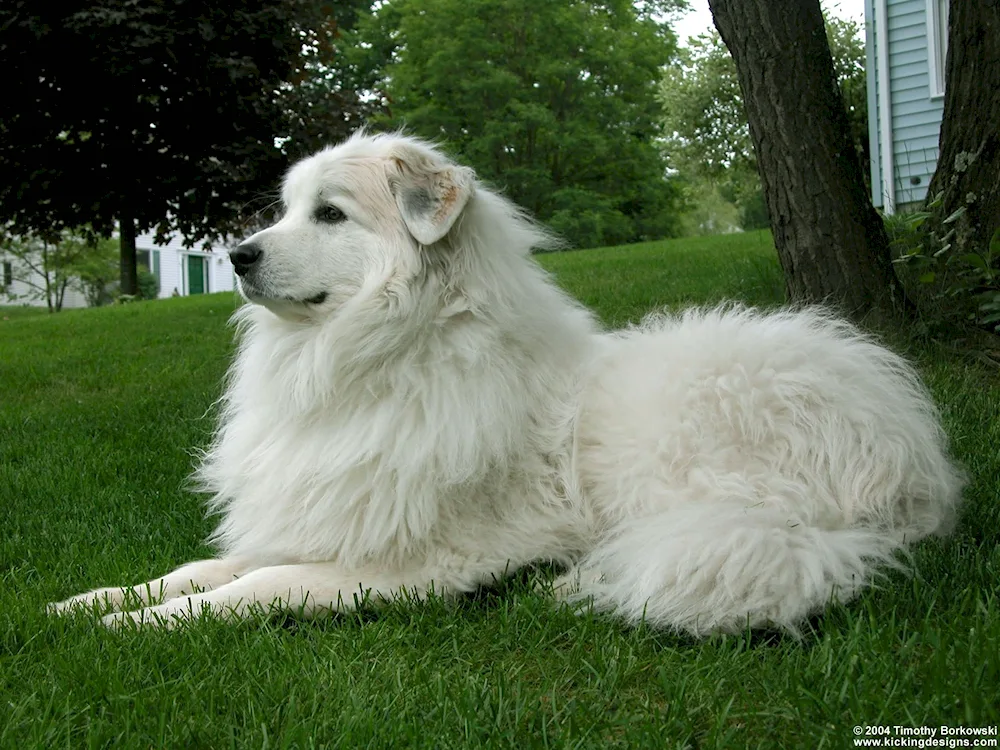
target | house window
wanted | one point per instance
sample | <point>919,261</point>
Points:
<point>8,274</point>
<point>937,43</point>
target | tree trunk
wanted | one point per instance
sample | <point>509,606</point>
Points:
<point>831,242</point>
<point>126,234</point>
<point>45,275</point>
<point>61,293</point>
<point>968,169</point>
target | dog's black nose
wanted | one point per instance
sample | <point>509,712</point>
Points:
<point>244,256</point>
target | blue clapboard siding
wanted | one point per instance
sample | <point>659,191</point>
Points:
<point>915,115</point>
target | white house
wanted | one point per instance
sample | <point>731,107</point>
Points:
<point>179,270</point>
<point>183,271</point>
<point>906,43</point>
<point>20,285</point>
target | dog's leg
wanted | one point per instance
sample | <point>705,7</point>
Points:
<point>307,590</point>
<point>196,576</point>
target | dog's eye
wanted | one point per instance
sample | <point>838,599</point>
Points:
<point>329,214</point>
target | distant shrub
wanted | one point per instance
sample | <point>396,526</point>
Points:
<point>149,285</point>
<point>589,219</point>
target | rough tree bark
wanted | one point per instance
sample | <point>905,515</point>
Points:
<point>831,242</point>
<point>968,169</point>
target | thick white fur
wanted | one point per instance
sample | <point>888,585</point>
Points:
<point>447,415</point>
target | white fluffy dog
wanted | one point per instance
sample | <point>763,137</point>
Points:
<point>416,406</point>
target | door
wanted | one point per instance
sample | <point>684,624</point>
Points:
<point>196,274</point>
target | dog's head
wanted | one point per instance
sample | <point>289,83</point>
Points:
<point>367,209</point>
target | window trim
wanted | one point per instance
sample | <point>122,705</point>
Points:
<point>937,45</point>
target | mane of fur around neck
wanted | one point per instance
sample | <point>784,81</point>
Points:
<point>405,397</point>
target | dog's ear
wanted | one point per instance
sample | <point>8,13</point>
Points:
<point>430,194</point>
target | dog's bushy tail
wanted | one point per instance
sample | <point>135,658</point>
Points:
<point>723,567</point>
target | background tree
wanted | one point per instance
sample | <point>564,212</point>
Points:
<point>324,99</point>
<point>963,229</point>
<point>96,272</point>
<point>706,134</point>
<point>46,266</point>
<point>831,242</point>
<point>847,49</point>
<point>552,102</point>
<point>148,114</point>
<point>969,163</point>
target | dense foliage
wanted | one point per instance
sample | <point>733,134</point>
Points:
<point>706,134</point>
<point>955,285</point>
<point>46,267</point>
<point>154,114</point>
<point>554,103</point>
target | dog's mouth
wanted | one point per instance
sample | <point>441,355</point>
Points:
<point>261,295</point>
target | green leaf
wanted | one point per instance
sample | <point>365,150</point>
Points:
<point>974,259</point>
<point>928,278</point>
<point>954,217</point>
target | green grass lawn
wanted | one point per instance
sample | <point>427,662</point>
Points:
<point>16,312</point>
<point>100,411</point>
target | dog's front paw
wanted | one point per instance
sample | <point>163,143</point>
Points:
<point>101,599</point>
